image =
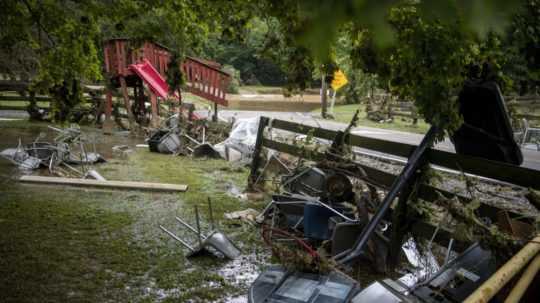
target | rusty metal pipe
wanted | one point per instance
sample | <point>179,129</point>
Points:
<point>523,284</point>
<point>498,280</point>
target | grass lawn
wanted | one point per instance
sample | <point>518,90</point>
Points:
<point>86,245</point>
<point>344,113</point>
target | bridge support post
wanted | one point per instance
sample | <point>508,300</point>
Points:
<point>215,116</point>
<point>127,104</point>
<point>108,123</point>
<point>154,122</point>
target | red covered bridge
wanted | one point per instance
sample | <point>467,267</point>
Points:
<point>131,66</point>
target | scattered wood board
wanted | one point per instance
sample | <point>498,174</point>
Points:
<point>105,184</point>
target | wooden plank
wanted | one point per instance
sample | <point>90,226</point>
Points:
<point>517,175</point>
<point>105,184</point>
<point>384,179</point>
<point>374,176</point>
<point>256,162</point>
<point>389,147</point>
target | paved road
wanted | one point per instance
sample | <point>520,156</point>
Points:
<point>531,157</point>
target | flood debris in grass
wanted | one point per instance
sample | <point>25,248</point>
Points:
<point>179,135</point>
<point>69,147</point>
<point>212,241</point>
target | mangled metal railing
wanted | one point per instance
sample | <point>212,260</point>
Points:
<point>60,152</point>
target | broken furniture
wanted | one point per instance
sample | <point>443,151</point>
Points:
<point>486,131</point>
<point>61,152</point>
<point>279,285</point>
<point>21,158</point>
<point>164,141</point>
<point>171,138</point>
<point>453,283</point>
<point>214,239</point>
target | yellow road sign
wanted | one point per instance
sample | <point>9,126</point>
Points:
<point>339,80</point>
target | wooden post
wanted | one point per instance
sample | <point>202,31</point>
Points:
<point>256,162</point>
<point>215,116</point>
<point>108,123</point>
<point>155,114</point>
<point>127,104</point>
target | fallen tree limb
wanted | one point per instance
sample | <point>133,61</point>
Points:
<point>105,184</point>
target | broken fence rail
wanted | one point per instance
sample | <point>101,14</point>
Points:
<point>520,176</point>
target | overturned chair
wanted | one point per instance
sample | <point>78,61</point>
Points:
<point>214,239</point>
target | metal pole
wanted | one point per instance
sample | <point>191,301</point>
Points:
<point>176,238</point>
<point>189,227</point>
<point>333,102</point>
<point>397,186</point>
<point>198,225</point>
<point>448,251</point>
<point>211,213</point>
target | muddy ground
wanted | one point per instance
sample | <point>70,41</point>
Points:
<point>86,245</point>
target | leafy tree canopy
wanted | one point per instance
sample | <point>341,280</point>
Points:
<point>419,50</point>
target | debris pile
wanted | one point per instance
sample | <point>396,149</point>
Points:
<point>68,148</point>
<point>202,138</point>
<point>181,136</point>
<point>329,215</point>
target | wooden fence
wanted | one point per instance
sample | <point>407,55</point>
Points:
<point>520,107</point>
<point>520,176</point>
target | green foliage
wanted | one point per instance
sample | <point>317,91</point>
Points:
<point>246,54</point>
<point>428,65</point>
<point>235,81</point>
<point>522,49</point>
<point>420,50</point>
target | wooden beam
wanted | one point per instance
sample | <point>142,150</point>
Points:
<point>105,184</point>
<point>384,180</point>
<point>256,162</point>
<point>521,176</point>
